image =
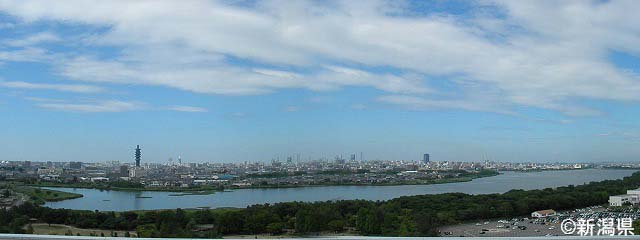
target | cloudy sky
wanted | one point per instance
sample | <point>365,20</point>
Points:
<point>229,81</point>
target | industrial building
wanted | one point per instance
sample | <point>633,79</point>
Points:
<point>632,197</point>
<point>543,213</point>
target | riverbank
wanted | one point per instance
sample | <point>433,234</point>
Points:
<point>182,191</point>
<point>551,169</point>
<point>206,190</point>
<point>425,182</point>
<point>240,198</point>
<point>40,196</point>
<point>420,215</point>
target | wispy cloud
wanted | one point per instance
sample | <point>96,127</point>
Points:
<point>35,39</point>
<point>92,107</point>
<point>622,135</point>
<point>292,108</point>
<point>237,115</point>
<point>358,106</point>
<point>187,108</point>
<point>78,88</point>
<point>6,25</point>
<point>533,53</point>
<point>420,104</point>
<point>30,54</point>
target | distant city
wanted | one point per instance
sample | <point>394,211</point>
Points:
<point>339,171</point>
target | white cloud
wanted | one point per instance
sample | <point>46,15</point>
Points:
<point>40,99</point>
<point>358,106</point>
<point>29,54</point>
<point>419,103</point>
<point>292,109</point>
<point>6,25</point>
<point>621,135</point>
<point>238,115</point>
<point>58,87</point>
<point>548,55</point>
<point>35,39</point>
<point>187,109</point>
<point>92,107</point>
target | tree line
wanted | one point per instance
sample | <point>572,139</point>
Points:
<point>404,216</point>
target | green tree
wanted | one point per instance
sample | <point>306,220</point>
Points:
<point>6,193</point>
<point>275,228</point>
<point>146,231</point>
<point>336,225</point>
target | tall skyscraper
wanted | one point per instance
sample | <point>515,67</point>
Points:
<point>425,158</point>
<point>138,155</point>
<point>353,157</point>
<point>124,171</point>
<point>75,165</point>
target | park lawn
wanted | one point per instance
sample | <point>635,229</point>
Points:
<point>46,195</point>
<point>60,229</point>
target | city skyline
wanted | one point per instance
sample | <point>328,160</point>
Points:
<point>218,81</point>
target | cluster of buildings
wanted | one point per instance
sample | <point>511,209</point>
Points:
<point>351,171</point>
<point>631,198</point>
<point>289,173</point>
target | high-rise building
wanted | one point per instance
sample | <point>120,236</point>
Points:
<point>124,171</point>
<point>353,157</point>
<point>137,172</point>
<point>138,155</point>
<point>425,158</point>
<point>75,165</point>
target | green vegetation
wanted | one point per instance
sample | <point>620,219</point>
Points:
<point>60,229</point>
<point>404,216</point>
<point>450,177</point>
<point>40,196</point>
<point>128,186</point>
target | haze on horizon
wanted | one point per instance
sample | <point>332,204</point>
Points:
<point>231,81</point>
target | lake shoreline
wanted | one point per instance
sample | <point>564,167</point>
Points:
<point>207,191</point>
<point>241,198</point>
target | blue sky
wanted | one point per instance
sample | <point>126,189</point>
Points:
<point>231,81</point>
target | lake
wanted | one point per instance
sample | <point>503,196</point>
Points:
<point>124,200</point>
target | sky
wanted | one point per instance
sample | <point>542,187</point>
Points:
<point>233,81</point>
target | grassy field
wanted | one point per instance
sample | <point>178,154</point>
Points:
<point>46,195</point>
<point>59,229</point>
<point>203,190</point>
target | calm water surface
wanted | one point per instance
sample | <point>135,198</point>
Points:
<point>123,201</point>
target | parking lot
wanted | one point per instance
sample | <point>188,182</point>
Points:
<point>527,227</point>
